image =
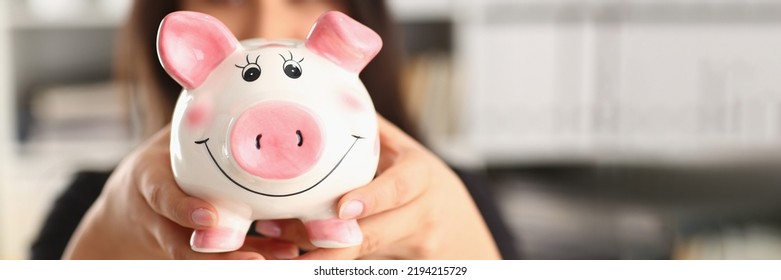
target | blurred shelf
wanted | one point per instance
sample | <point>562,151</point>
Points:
<point>87,23</point>
<point>68,14</point>
<point>623,82</point>
<point>415,10</point>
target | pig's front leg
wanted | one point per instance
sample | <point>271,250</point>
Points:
<point>334,233</point>
<point>232,226</point>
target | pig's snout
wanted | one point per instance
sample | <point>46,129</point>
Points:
<point>276,140</point>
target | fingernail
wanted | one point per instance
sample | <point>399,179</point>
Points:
<point>334,233</point>
<point>285,253</point>
<point>353,233</point>
<point>251,258</point>
<point>268,228</point>
<point>351,210</point>
<point>203,217</point>
<point>215,240</point>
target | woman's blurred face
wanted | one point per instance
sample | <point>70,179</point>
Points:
<point>270,19</point>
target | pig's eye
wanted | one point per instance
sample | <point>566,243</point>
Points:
<point>251,71</point>
<point>291,67</point>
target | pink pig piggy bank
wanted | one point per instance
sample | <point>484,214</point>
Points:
<point>271,129</point>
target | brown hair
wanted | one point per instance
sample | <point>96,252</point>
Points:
<point>154,93</point>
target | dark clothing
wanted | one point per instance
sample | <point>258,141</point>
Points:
<point>72,204</point>
<point>66,213</point>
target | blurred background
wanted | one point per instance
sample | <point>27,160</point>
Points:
<point>621,129</point>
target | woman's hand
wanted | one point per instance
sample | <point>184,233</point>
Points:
<point>416,208</point>
<point>143,214</point>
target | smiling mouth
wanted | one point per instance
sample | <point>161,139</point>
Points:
<point>206,144</point>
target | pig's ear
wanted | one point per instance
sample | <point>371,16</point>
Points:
<point>190,45</point>
<point>343,41</point>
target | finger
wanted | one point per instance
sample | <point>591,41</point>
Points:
<point>254,248</point>
<point>397,186</point>
<point>392,136</point>
<point>166,198</point>
<point>175,241</point>
<point>405,178</point>
<point>157,186</point>
<point>376,234</point>
<point>289,230</point>
<point>270,248</point>
<point>393,144</point>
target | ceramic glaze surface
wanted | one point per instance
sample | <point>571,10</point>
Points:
<point>271,129</point>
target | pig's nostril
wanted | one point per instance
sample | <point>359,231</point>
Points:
<point>257,141</point>
<point>300,138</point>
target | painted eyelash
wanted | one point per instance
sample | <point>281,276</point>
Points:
<point>248,62</point>
<point>291,57</point>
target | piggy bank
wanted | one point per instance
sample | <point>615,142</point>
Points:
<point>271,129</point>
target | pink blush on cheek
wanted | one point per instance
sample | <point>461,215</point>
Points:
<point>352,103</point>
<point>197,115</point>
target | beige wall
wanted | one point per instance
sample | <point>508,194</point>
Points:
<point>6,121</point>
